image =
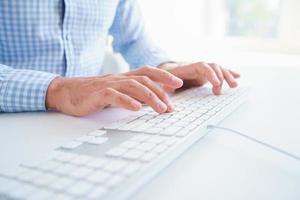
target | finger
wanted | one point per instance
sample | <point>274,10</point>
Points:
<point>229,78</point>
<point>116,98</point>
<point>218,71</point>
<point>140,92</point>
<point>159,75</point>
<point>205,71</point>
<point>235,74</point>
<point>158,90</point>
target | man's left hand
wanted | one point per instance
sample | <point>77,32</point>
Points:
<point>198,74</point>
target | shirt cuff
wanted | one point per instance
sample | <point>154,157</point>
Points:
<point>24,90</point>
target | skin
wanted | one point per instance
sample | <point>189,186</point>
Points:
<point>81,96</point>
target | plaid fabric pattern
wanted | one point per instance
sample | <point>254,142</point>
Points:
<point>40,40</point>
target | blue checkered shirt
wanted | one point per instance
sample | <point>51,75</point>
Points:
<point>43,39</point>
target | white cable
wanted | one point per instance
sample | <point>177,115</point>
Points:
<point>258,142</point>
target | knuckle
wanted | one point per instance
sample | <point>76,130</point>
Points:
<point>163,96</point>
<point>203,64</point>
<point>214,65</point>
<point>147,68</point>
<point>107,92</point>
<point>145,79</point>
<point>119,99</point>
<point>131,83</point>
<point>95,84</point>
<point>150,96</point>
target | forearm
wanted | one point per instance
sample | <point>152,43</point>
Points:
<point>143,52</point>
<point>131,39</point>
<point>23,90</point>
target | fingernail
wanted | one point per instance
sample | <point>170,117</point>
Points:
<point>136,105</point>
<point>176,81</point>
<point>170,108</point>
<point>162,107</point>
<point>217,82</point>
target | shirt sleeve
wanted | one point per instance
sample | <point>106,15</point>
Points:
<point>130,38</point>
<point>23,90</point>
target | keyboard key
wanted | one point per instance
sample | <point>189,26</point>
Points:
<point>171,120</point>
<point>113,181</point>
<point>160,148</point>
<point>182,124</point>
<point>116,152</point>
<point>7,184</point>
<point>191,127</point>
<point>140,138</point>
<point>98,176</point>
<point>199,122</point>
<point>133,154</point>
<point>163,125</point>
<point>146,117</point>
<point>29,175</point>
<point>44,179</point>
<point>62,183</point>
<point>98,140</point>
<point>65,168</point>
<point>145,146</point>
<point>21,192</point>
<point>189,119</point>
<point>148,157</point>
<point>85,138</point>
<point>131,169</point>
<point>80,172</point>
<point>153,130</point>
<point>48,165</point>
<point>183,133</point>
<point>97,133</point>
<point>156,139</point>
<point>120,123</point>
<point>80,159</point>
<point>113,125</point>
<point>63,197</point>
<point>164,116</point>
<point>155,121</point>
<point>115,166</point>
<point>205,117</point>
<point>129,144</point>
<point>64,157</point>
<point>71,145</point>
<point>42,194</point>
<point>79,188</point>
<point>97,163</point>
<point>97,192</point>
<point>171,141</point>
<point>132,124</point>
<point>143,127</point>
<point>172,130</point>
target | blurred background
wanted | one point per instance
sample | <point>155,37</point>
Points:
<point>253,33</point>
<point>209,25</point>
<point>196,29</point>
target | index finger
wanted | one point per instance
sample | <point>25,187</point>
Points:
<point>205,70</point>
<point>158,75</point>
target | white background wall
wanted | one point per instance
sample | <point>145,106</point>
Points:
<point>184,27</point>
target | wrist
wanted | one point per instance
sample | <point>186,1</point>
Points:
<point>168,66</point>
<point>53,93</point>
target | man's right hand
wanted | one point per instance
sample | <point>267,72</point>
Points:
<point>82,96</point>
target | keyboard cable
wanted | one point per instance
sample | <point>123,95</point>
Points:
<point>269,146</point>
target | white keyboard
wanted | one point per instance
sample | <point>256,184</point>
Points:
<point>113,162</point>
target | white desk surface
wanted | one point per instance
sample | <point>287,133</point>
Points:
<point>220,166</point>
